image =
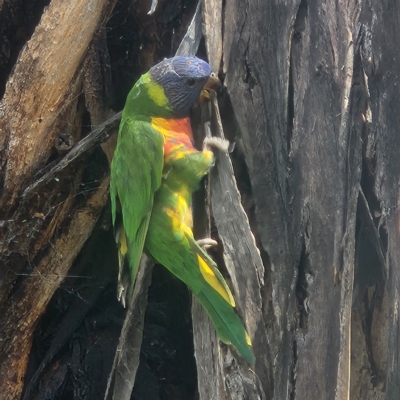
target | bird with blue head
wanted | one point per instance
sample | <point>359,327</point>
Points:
<point>154,172</point>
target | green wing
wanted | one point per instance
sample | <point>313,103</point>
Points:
<point>136,172</point>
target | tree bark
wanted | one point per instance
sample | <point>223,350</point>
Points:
<point>309,89</point>
<point>42,235</point>
<point>305,209</point>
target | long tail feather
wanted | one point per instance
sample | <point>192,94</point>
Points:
<point>129,254</point>
<point>228,325</point>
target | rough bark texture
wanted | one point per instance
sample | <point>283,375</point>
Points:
<point>43,235</point>
<point>306,208</point>
<point>36,92</point>
<point>312,111</point>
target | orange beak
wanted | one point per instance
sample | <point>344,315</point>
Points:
<point>212,84</point>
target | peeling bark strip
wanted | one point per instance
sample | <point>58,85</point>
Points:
<point>126,361</point>
<point>213,31</point>
<point>246,272</point>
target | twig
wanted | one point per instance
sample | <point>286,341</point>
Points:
<point>93,139</point>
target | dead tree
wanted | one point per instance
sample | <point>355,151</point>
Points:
<point>305,209</point>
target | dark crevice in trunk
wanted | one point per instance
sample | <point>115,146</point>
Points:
<point>372,301</point>
<point>290,110</point>
<point>18,20</point>
<point>303,274</point>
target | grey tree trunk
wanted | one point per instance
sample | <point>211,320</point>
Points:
<point>312,87</point>
<point>306,208</point>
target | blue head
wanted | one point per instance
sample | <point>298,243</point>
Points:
<point>182,79</point>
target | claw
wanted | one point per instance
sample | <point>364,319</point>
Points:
<point>207,243</point>
<point>218,143</point>
<point>121,294</point>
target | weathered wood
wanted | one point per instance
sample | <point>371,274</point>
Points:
<point>257,81</point>
<point>98,92</point>
<point>246,272</point>
<point>191,40</point>
<point>329,266</point>
<point>37,93</point>
<point>212,30</point>
<point>42,101</point>
<point>96,137</point>
<point>19,318</point>
<point>311,100</point>
<point>303,104</point>
<point>380,65</point>
<point>126,362</point>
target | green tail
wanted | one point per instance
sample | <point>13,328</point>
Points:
<point>228,325</point>
<point>180,259</point>
<point>170,242</point>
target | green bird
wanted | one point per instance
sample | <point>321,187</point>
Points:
<point>154,172</point>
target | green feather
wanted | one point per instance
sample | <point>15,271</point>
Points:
<point>229,327</point>
<point>136,172</point>
<point>146,99</point>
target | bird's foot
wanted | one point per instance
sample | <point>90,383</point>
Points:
<point>207,243</point>
<point>218,143</point>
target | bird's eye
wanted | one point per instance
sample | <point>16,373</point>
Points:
<point>190,82</point>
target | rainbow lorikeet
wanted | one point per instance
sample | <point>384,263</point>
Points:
<point>154,172</point>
